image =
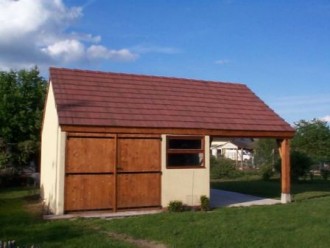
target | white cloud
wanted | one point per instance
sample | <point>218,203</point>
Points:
<point>86,37</point>
<point>326,118</point>
<point>36,32</point>
<point>65,50</point>
<point>98,51</point>
<point>19,18</point>
<point>222,61</point>
<point>145,48</point>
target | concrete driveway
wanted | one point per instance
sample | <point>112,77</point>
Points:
<point>222,198</point>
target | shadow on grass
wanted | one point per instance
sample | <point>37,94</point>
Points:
<point>21,220</point>
<point>272,189</point>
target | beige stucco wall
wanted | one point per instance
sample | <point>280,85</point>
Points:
<point>52,158</point>
<point>185,185</point>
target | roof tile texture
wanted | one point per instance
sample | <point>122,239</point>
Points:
<point>123,100</point>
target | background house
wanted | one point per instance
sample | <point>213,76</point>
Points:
<point>238,149</point>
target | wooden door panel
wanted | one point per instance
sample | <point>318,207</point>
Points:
<point>138,154</point>
<point>88,192</point>
<point>92,183</point>
<point>90,155</point>
<point>138,190</point>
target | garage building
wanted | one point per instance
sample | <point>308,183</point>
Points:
<point>113,141</point>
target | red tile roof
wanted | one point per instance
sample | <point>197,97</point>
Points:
<point>123,100</point>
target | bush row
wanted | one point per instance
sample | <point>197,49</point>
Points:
<point>178,206</point>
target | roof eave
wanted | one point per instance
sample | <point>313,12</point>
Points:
<point>285,134</point>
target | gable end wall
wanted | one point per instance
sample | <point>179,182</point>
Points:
<point>52,158</point>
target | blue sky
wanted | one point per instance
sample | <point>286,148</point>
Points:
<point>280,49</point>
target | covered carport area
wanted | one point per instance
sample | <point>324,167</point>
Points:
<point>223,198</point>
<point>283,142</point>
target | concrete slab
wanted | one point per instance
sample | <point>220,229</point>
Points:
<point>222,198</point>
<point>102,214</point>
<point>218,198</point>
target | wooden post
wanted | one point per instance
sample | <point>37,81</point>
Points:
<point>285,171</point>
<point>242,159</point>
<point>115,175</point>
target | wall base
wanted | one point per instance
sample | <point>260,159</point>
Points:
<point>285,198</point>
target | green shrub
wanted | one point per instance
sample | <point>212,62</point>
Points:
<point>175,206</point>
<point>9,179</point>
<point>266,171</point>
<point>205,203</point>
<point>325,173</point>
<point>214,167</point>
<point>311,175</point>
<point>223,168</point>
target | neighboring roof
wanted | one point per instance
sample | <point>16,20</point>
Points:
<point>245,143</point>
<point>91,98</point>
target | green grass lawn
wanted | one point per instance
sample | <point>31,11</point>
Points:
<point>304,223</point>
<point>21,220</point>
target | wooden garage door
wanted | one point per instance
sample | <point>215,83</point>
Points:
<point>113,172</point>
<point>138,172</point>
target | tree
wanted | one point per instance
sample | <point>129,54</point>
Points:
<point>313,139</point>
<point>311,144</point>
<point>266,152</point>
<point>22,95</point>
<point>300,165</point>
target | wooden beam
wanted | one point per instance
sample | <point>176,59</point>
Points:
<point>182,131</point>
<point>285,171</point>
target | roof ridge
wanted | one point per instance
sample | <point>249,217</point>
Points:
<point>148,76</point>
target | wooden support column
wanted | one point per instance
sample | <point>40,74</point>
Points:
<point>242,159</point>
<point>285,171</point>
<point>115,175</point>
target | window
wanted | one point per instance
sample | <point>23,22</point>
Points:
<point>185,152</point>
